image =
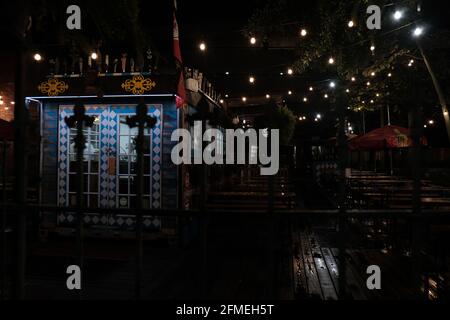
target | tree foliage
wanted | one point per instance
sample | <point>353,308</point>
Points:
<point>330,36</point>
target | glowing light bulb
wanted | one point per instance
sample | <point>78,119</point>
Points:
<point>202,46</point>
<point>331,60</point>
<point>418,31</point>
<point>303,32</point>
<point>253,40</point>
<point>37,57</point>
<point>351,24</point>
<point>398,15</point>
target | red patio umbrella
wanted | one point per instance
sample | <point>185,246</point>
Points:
<point>390,137</point>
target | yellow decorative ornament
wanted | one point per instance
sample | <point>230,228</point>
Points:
<point>138,85</point>
<point>53,87</point>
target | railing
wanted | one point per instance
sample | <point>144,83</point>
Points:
<point>28,211</point>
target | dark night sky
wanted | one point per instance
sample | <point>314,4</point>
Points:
<point>220,24</point>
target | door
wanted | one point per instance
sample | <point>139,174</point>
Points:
<point>109,165</point>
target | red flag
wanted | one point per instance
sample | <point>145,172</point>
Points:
<point>181,90</point>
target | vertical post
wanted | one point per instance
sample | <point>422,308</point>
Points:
<point>141,121</point>
<point>364,121</point>
<point>343,157</point>
<point>203,199</point>
<point>78,121</point>
<point>272,225</point>
<point>417,222</point>
<point>3,225</point>
<point>20,165</point>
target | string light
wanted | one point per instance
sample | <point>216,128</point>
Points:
<point>253,40</point>
<point>267,96</point>
<point>303,32</point>
<point>389,75</point>
<point>351,24</point>
<point>37,57</point>
<point>348,90</point>
<point>431,122</point>
<point>368,83</point>
<point>311,89</point>
<point>305,99</point>
<point>332,84</point>
<point>290,71</point>
<point>398,15</point>
<point>290,93</point>
<point>331,60</point>
<point>227,73</point>
<point>94,56</point>
<point>418,31</point>
<point>221,101</point>
<point>372,48</point>
<point>202,46</point>
<point>353,79</point>
<point>373,74</point>
<point>251,79</point>
<point>325,96</point>
<point>244,99</point>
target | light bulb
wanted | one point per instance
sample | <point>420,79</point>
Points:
<point>37,57</point>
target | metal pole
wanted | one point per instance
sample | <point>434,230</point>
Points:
<point>389,114</point>
<point>79,120</point>
<point>141,120</point>
<point>3,227</point>
<point>20,169</point>
<point>203,199</point>
<point>139,206</point>
<point>364,121</point>
<point>343,157</point>
<point>417,202</point>
<point>272,224</point>
<point>80,145</point>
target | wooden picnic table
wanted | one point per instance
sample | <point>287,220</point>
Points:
<point>428,202</point>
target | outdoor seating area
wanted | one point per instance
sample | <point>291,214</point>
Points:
<point>370,190</point>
